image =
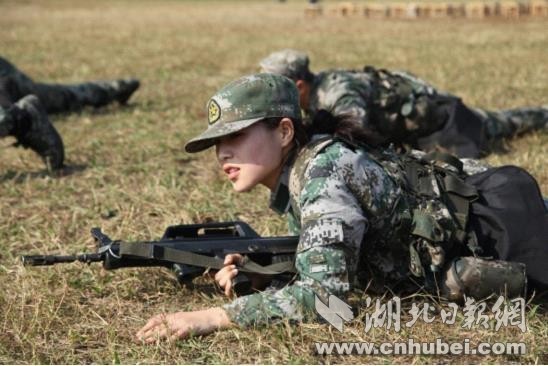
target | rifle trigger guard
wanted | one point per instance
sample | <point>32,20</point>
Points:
<point>117,256</point>
<point>103,249</point>
<point>108,248</point>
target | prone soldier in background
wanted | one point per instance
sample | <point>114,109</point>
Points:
<point>25,104</point>
<point>397,107</point>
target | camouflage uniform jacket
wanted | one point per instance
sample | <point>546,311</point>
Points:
<point>393,106</point>
<point>352,218</point>
<point>341,91</point>
<point>396,106</point>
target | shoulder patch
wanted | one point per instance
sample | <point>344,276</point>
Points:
<point>321,232</point>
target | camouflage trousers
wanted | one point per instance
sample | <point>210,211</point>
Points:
<point>470,132</point>
<point>507,123</point>
<point>6,124</point>
<point>425,110</point>
<point>56,98</point>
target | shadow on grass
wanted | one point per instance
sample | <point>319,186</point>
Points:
<point>498,147</point>
<point>19,177</point>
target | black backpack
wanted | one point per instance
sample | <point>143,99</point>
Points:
<point>510,220</point>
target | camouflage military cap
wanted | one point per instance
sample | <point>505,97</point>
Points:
<point>244,102</point>
<point>288,62</point>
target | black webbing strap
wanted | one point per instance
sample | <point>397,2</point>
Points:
<point>168,254</point>
<point>456,185</point>
<point>461,195</point>
<point>419,182</point>
<point>445,158</point>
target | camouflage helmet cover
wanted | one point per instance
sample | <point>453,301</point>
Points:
<point>287,62</point>
<point>244,102</point>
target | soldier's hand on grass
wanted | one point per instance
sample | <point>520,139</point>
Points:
<point>182,324</point>
<point>225,276</point>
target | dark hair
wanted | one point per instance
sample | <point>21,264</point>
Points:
<point>307,76</point>
<point>345,126</point>
<point>301,135</point>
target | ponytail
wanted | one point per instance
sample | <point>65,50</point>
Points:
<point>345,126</point>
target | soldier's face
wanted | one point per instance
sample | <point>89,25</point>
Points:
<point>252,156</point>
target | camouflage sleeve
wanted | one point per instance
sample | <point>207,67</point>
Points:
<point>322,266</point>
<point>340,93</point>
<point>353,104</point>
<point>469,166</point>
<point>332,226</point>
<point>474,166</point>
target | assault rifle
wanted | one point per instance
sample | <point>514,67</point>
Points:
<point>189,250</point>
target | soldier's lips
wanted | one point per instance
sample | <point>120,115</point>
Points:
<point>232,172</point>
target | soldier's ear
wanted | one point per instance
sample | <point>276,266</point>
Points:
<point>304,93</point>
<point>287,131</point>
<point>300,84</point>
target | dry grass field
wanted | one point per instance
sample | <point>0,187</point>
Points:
<point>127,171</point>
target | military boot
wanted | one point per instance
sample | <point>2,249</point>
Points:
<point>32,129</point>
<point>511,122</point>
<point>479,278</point>
<point>61,98</point>
<point>528,119</point>
<point>124,88</point>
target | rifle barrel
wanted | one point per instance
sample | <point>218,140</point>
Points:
<point>48,260</point>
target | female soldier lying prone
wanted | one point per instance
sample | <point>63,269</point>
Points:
<point>366,218</point>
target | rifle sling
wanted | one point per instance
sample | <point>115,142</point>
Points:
<point>167,254</point>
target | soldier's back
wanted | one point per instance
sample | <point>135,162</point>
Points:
<point>333,90</point>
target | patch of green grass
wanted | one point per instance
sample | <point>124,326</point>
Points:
<point>130,176</point>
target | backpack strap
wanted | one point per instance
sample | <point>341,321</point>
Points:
<point>459,196</point>
<point>452,189</point>
<point>445,158</point>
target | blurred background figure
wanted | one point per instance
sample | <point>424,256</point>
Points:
<point>398,107</point>
<point>25,104</point>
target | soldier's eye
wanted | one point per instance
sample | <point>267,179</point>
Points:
<point>235,135</point>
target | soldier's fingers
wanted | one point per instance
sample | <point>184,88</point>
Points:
<point>238,259</point>
<point>181,333</point>
<point>228,288</point>
<point>153,322</point>
<point>224,272</point>
<point>222,282</point>
<point>229,275</point>
<point>155,334</point>
<point>227,269</point>
<point>228,259</point>
<point>149,333</point>
<point>234,258</point>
